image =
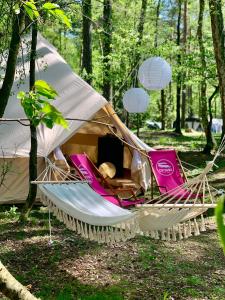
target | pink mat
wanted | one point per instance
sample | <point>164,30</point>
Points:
<point>167,172</point>
<point>84,165</point>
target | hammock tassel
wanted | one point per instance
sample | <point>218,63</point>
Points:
<point>185,231</point>
<point>180,232</point>
<point>163,237</point>
<point>156,235</point>
<point>174,237</point>
<point>189,228</point>
<point>168,234</point>
<point>152,233</point>
<point>202,228</point>
<point>196,228</point>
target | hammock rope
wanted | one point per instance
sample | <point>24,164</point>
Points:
<point>167,217</point>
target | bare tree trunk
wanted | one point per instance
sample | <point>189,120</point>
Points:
<point>33,132</point>
<point>106,45</point>
<point>140,31</point>
<point>18,22</point>
<point>184,87</point>
<point>11,288</point>
<point>209,138</point>
<point>217,26</point>
<point>162,94</point>
<point>156,23</point>
<point>177,122</point>
<point>163,113</point>
<point>87,41</point>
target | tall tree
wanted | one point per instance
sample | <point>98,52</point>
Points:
<point>33,132</point>
<point>137,57</point>
<point>162,93</point>
<point>178,79</point>
<point>140,31</point>
<point>86,67</point>
<point>203,85</point>
<point>217,26</point>
<point>184,86</point>
<point>107,49</point>
<point>17,26</point>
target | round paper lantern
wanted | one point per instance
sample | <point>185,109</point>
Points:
<point>155,73</point>
<point>135,100</point>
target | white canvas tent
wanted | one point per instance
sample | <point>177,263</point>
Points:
<point>76,100</point>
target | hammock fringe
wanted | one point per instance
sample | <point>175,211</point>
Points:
<point>101,234</point>
<point>128,229</point>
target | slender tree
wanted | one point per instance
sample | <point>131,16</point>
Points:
<point>33,133</point>
<point>107,49</point>
<point>137,57</point>
<point>203,85</point>
<point>217,26</point>
<point>17,27</point>
<point>162,92</point>
<point>86,67</point>
<point>178,79</point>
<point>184,86</point>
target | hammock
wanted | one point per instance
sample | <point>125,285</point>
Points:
<point>76,204</point>
<point>87,213</point>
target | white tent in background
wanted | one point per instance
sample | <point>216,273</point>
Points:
<point>76,100</point>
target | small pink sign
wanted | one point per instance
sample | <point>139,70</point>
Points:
<point>164,167</point>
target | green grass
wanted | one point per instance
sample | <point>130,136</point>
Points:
<point>73,268</point>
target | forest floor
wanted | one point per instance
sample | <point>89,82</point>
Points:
<point>142,268</point>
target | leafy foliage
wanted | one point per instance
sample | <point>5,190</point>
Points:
<point>38,108</point>
<point>220,222</point>
<point>48,8</point>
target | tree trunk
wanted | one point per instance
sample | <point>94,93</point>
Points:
<point>162,94</point>
<point>106,47</point>
<point>163,109</point>
<point>137,57</point>
<point>156,23</point>
<point>140,31</point>
<point>33,132</point>
<point>184,87</point>
<point>177,122</point>
<point>217,26</point>
<point>11,288</point>
<point>87,41</point>
<point>5,90</point>
<point>206,125</point>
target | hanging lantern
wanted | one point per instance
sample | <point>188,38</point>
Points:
<point>135,100</point>
<point>155,73</point>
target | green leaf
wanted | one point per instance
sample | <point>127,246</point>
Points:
<point>48,122</point>
<point>31,10</point>
<point>55,11</point>
<point>44,89</point>
<point>47,108</point>
<point>220,223</point>
<point>21,95</point>
<point>62,122</point>
<point>50,6</point>
<point>63,18</point>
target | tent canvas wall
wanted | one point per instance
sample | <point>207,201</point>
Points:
<point>76,100</point>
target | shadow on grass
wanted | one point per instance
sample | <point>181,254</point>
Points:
<point>138,269</point>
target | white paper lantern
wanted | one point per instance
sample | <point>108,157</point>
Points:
<point>136,100</point>
<point>155,73</point>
